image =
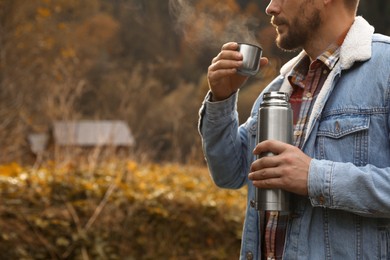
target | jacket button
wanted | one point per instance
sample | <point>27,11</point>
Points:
<point>252,203</point>
<point>249,256</point>
<point>321,200</point>
<point>254,127</point>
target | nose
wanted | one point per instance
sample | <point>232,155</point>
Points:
<point>273,8</point>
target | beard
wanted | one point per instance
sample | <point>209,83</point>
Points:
<point>299,30</point>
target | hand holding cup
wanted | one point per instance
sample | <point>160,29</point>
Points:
<point>231,68</point>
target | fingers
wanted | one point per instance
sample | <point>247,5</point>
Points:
<point>273,146</point>
<point>264,162</point>
<point>229,51</point>
<point>267,183</point>
<point>225,66</point>
<point>230,46</point>
<point>229,58</point>
<point>263,61</point>
<point>287,169</point>
<point>267,169</point>
<point>222,75</point>
<point>264,168</point>
<point>266,174</point>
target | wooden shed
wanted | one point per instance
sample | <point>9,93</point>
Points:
<point>90,133</point>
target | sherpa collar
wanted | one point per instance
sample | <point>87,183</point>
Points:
<point>356,46</point>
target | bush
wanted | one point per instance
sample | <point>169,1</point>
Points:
<point>119,210</point>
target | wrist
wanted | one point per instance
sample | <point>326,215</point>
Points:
<point>214,98</point>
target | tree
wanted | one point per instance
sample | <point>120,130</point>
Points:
<point>41,76</point>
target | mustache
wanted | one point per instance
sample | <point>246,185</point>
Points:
<point>277,21</point>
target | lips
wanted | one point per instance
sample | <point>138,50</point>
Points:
<point>277,22</point>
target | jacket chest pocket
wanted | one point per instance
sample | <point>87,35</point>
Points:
<point>344,138</point>
<point>384,244</point>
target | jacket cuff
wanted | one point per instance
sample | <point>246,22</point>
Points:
<point>216,110</point>
<point>319,183</point>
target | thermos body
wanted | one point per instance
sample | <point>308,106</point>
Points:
<point>275,122</point>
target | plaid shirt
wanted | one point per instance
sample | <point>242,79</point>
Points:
<point>307,80</point>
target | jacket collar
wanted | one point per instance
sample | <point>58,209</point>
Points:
<point>356,46</point>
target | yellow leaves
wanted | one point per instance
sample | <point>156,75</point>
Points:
<point>96,33</point>
<point>144,205</point>
<point>62,241</point>
<point>43,12</point>
<point>132,166</point>
<point>158,211</point>
<point>41,223</point>
<point>21,29</point>
<point>89,186</point>
<point>150,182</point>
<point>183,183</point>
<point>68,52</point>
<point>62,26</point>
<point>10,170</point>
<point>47,43</point>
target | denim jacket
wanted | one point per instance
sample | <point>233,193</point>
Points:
<point>347,212</point>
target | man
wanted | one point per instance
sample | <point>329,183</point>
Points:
<point>338,170</point>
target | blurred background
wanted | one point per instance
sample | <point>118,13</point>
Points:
<point>100,157</point>
<point>140,62</point>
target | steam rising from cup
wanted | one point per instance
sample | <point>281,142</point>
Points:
<point>213,26</point>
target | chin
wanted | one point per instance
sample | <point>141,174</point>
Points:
<point>286,45</point>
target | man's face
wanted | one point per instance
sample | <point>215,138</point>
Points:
<point>296,24</point>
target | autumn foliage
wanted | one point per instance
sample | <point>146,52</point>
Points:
<point>119,210</point>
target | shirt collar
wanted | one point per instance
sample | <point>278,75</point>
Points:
<point>329,58</point>
<point>332,53</point>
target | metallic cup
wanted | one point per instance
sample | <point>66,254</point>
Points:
<point>251,59</point>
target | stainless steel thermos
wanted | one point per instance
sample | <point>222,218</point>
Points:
<point>275,122</point>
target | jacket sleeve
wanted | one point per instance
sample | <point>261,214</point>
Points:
<point>225,144</point>
<point>361,190</point>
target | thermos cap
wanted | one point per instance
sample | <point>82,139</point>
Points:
<point>275,98</point>
<point>277,95</point>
